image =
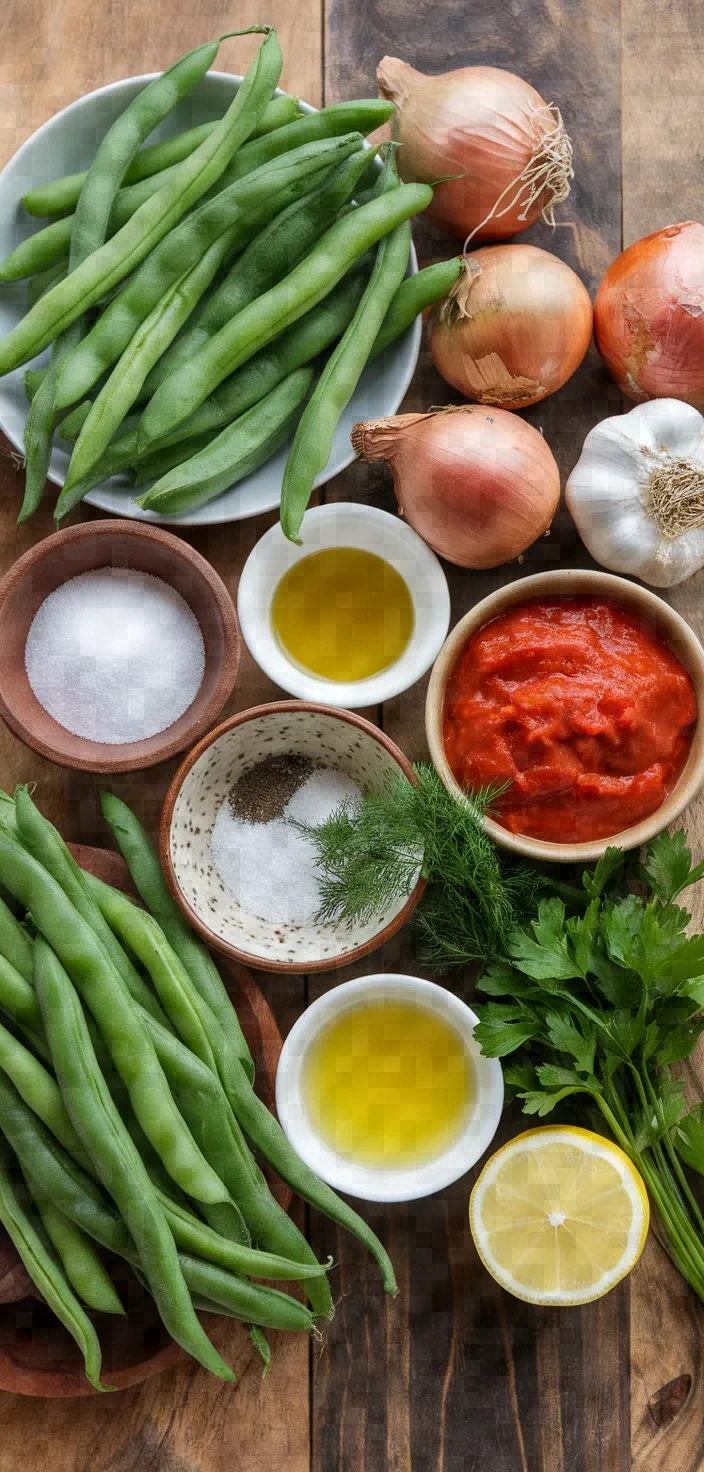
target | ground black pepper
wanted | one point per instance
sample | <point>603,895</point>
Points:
<point>262,793</point>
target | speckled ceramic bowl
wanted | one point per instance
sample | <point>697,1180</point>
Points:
<point>334,738</point>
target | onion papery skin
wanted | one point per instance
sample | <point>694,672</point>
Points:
<point>479,487</point>
<point>515,326</point>
<point>481,123</point>
<point>649,316</point>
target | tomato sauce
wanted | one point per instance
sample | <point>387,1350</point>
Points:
<point>580,706</point>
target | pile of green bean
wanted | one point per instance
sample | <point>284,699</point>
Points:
<point>200,280</point>
<point>128,1116</point>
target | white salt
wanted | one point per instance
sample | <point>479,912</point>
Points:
<point>115,655</point>
<point>271,868</point>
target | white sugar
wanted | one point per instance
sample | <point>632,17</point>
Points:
<point>271,868</point>
<point>115,655</point>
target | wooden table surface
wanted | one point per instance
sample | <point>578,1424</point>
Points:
<point>453,1375</point>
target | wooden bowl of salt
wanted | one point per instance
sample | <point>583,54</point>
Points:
<point>156,657</point>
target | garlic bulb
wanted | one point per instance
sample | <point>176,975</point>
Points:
<point>637,492</point>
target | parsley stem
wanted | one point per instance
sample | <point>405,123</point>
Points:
<point>685,1248</point>
<point>676,1219</point>
<point>675,1162</point>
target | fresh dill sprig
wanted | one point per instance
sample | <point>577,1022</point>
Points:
<point>370,855</point>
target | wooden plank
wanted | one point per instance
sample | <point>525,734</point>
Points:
<point>662,102</point>
<point>478,1380</point>
<point>52,51</point>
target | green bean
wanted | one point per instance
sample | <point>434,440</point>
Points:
<point>115,260</point>
<point>33,1038</point>
<point>88,234</point>
<point>44,842</point>
<point>41,283</point>
<point>225,1219</point>
<point>251,1302</point>
<point>262,1346</point>
<point>31,380</point>
<point>56,1174</point>
<point>241,210</point>
<point>235,453</point>
<point>117,1162</point>
<point>44,249</point>
<point>121,1025</point>
<point>71,426</point>
<point>310,281</point>
<point>139,931</point>
<point>16,947</point>
<point>62,194</point>
<point>149,468</point>
<point>81,1264</point>
<point>413,296</point>
<point>17,995</point>
<point>45,1272</point>
<point>271,255</point>
<point>40,1092</point>
<point>313,440</point>
<point>362,116</point>
<point>193,1236</point>
<point>39,252</point>
<point>147,875</point>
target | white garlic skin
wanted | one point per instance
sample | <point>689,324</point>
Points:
<point>606,491</point>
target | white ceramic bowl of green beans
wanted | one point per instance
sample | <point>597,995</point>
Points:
<point>66,144</point>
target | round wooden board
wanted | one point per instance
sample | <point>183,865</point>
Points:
<point>37,1355</point>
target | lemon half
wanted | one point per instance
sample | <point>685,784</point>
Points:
<point>559,1215</point>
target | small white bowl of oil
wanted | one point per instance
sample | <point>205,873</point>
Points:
<point>354,616</point>
<point>383,1091</point>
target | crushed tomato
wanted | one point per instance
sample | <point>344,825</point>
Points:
<point>580,706</point>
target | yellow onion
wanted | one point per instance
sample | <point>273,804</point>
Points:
<point>478,487</point>
<point>508,148</point>
<point>649,316</point>
<point>514,327</point>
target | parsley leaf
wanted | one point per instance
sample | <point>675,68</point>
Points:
<point>497,1036</point>
<point>668,866</point>
<point>569,1036</point>
<point>545,958</point>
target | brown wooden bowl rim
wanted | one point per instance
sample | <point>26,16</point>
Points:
<point>56,1383</point>
<point>138,760</point>
<point>573,581</point>
<point>256,962</point>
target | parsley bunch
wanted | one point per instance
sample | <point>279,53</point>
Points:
<point>598,997</point>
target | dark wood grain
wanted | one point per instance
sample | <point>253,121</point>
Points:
<point>662,184</point>
<point>477,1380</point>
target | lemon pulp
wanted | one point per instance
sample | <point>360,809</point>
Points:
<point>342,613</point>
<point>559,1215</point>
<point>388,1083</point>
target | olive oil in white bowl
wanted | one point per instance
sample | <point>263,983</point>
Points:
<point>383,1091</point>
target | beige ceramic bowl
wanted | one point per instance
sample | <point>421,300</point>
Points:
<point>653,610</point>
<point>336,738</point>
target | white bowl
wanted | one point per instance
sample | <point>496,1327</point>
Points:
<point>65,145</point>
<point>337,739</point>
<point>384,1184</point>
<point>345,524</point>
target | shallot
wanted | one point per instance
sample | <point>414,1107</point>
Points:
<point>649,316</point>
<point>501,152</point>
<point>514,327</point>
<point>478,486</point>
